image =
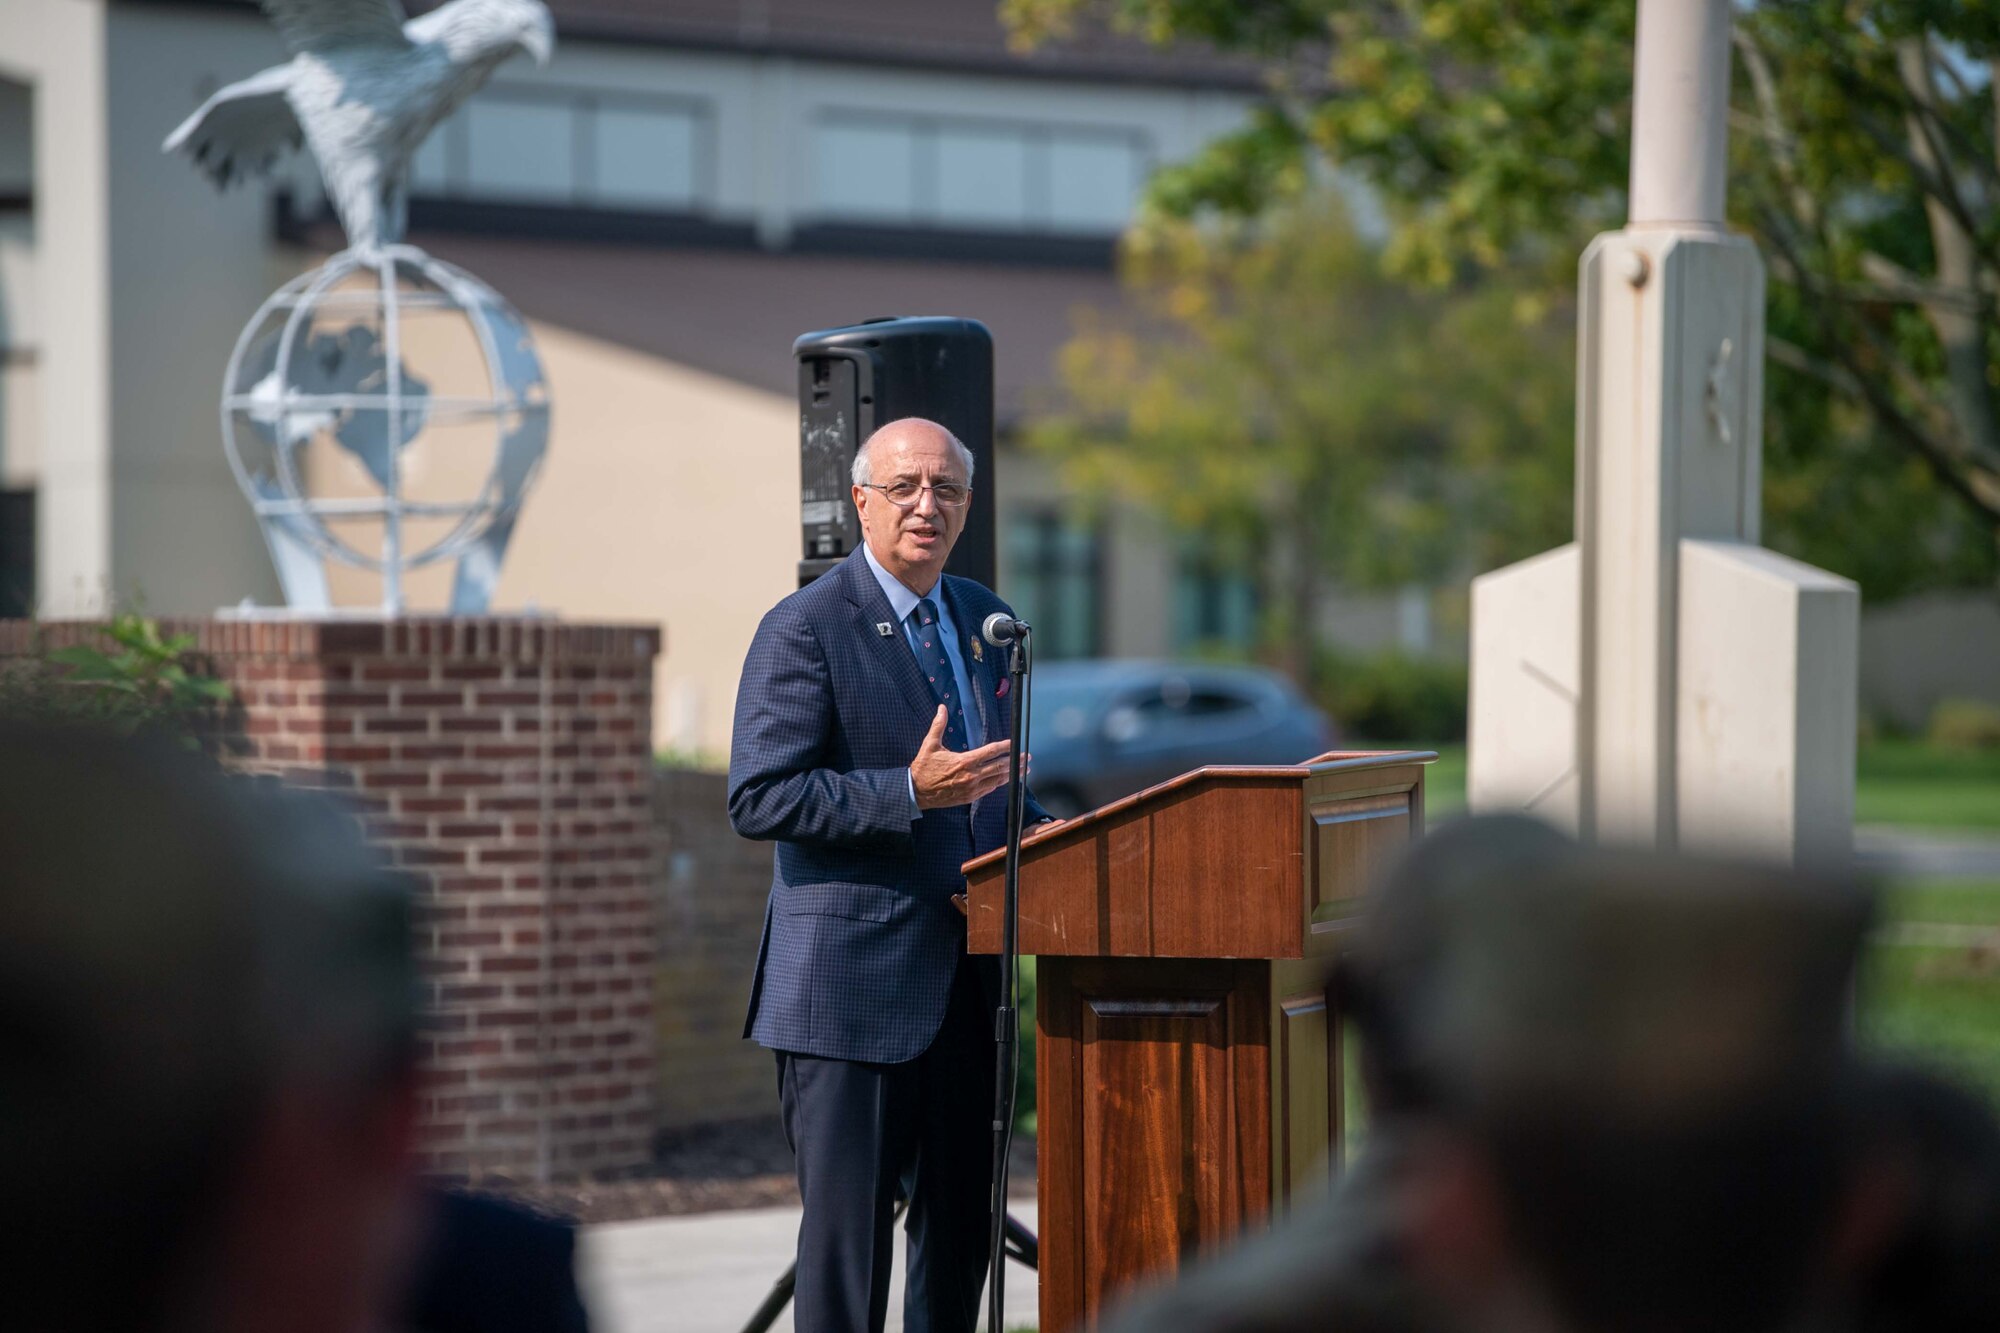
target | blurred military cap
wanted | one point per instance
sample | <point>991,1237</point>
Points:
<point>1517,971</point>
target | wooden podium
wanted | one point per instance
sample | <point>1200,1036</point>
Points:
<point>1189,1070</point>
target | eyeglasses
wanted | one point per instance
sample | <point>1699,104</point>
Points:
<point>905,494</point>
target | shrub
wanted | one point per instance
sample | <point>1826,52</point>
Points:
<point>1392,697</point>
<point>1965,724</point>
<point>141,682</point>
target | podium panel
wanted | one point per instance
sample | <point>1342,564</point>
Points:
<point>1153,1073</point>
<point>1188,1060</point>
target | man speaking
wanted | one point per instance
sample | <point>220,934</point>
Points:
<point>870,746</point>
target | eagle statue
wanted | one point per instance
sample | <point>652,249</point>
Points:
<point>363,89</point>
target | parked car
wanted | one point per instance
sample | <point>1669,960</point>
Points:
<point>1102,729</point>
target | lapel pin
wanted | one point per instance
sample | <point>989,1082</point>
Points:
<point>978,652</point>
<point>884,628</point>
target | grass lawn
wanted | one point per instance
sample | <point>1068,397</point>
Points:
<point>1940,1004</point>
<point>1910,782</point>
<point>1444,782</point>
<point>1897,782</point>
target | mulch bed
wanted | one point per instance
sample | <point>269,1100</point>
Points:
<point>709,1168</point>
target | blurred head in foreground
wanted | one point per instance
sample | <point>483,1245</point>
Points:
<point>207,1003</point>
<point>1939,1145</point>
<point>1632,1076</point>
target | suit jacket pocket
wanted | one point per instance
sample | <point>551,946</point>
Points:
<point>857,902</point>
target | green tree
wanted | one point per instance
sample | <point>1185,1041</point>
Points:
<point>1864,162</point>
<point>1276,392</point>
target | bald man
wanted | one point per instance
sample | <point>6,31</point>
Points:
<point>871,745</point>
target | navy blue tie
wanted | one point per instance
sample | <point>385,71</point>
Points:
<point>927,634</point>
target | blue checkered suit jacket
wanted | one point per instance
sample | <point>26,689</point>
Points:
<point>861,939</point>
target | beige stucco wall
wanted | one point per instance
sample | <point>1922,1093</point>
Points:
<point>667,496</point>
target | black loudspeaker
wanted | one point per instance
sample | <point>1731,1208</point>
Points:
<point>854,379</point>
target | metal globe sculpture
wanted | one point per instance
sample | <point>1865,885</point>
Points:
<point>386,411</point>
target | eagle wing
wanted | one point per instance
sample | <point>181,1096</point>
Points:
<point>242,129</point>
<point>316,25</point>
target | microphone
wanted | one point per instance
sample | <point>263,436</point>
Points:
<point>1002,629</point>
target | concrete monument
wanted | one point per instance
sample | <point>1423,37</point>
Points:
<point>1662,679</point>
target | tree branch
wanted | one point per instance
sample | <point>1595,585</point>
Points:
<point>1794,357</point>
<point>1936,114</point>
<point>1962,474</point>
<point>1981,491</point>
<point>1776,134</point>
<point>1962,335</point>
<point>1935,188</point>
<point>1890,281</point>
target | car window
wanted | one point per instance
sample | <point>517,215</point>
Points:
<point>1216,703</point>
<point>1162,701</point>
<point>1175,699</point>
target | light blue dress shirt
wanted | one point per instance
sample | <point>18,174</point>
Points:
<point>902,601</point>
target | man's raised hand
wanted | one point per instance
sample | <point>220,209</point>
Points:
<point>948,777</point>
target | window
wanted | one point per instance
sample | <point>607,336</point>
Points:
<point>521,149</point>
<point>1177,700</point>
<point>17,554</point>
<point>979,175</point>
<point>868,170</point>
<point>645,157</point>
<point>1216,702</point>
<point>1215,602</point>
<point>1094,180</point>
<point>982,177</point>
<point>430,171</point>
<point>1053,569</point>
<point>613,151</point>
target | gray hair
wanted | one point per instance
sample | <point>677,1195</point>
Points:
<point>863,473</point>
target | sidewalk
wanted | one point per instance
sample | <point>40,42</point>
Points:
<point>708,1272</point>
<point>1939,853</point>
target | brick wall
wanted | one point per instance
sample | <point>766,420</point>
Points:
<point>508,763</point>
<point>711,909</point>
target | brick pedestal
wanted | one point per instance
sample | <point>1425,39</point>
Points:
<point>509,764</point>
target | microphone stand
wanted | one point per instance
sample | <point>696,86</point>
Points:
<point>1006,1020</point>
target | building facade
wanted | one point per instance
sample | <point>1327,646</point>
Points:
<point>679,194</point>
<point>682,191</point>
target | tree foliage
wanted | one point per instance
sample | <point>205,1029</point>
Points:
<point>139,681</point>
<point>1274,390</point>
<point>1864,162</point>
